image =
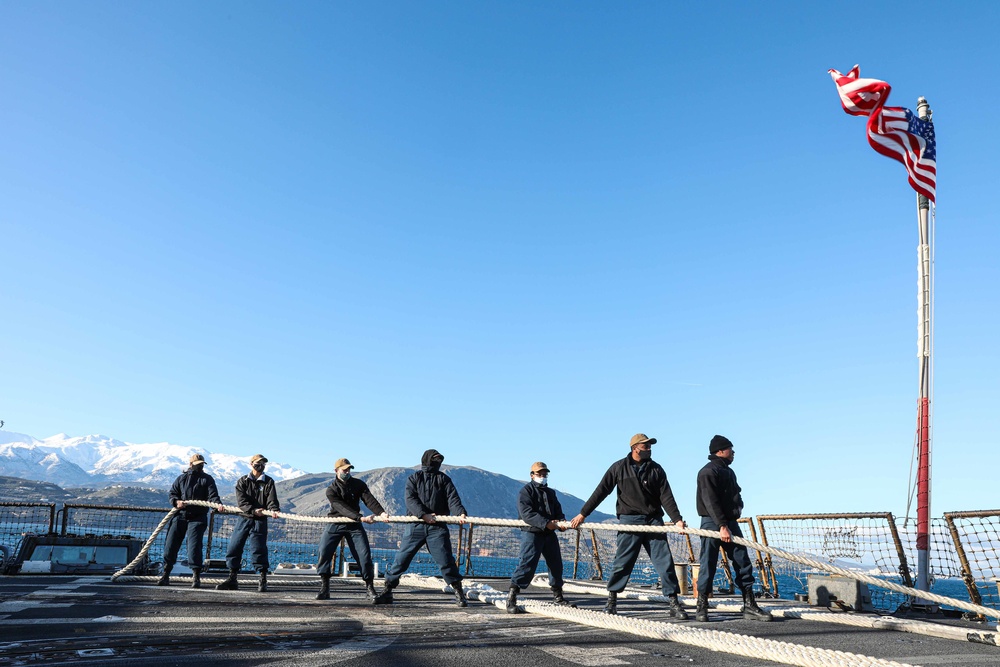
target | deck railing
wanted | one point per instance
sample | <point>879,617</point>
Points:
<point>965,546</point>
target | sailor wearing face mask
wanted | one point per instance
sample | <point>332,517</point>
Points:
<point>538,507</point>
<point>256,496</point>
<point>428,492</point>
<point>345,494</point>
<point>643,494</point>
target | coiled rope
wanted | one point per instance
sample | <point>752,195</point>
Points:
<point>713,640</point>
<point>510,523</point>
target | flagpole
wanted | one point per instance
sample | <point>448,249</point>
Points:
<point>925,350</point>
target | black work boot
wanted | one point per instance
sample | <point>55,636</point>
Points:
<point>512,599</point>
<point>164,580</point>
<point>701,614</point>
<point>459,594</point>
<point>611,607</point>
<point>324,590</point>
<point>231,583</point>
<point>370,589</point>
<point>262,584</point>
<point>751,611</point>
<point>195,578</point>
<point>557,598</point>
<point>675,608</point>
<point>385,597</point>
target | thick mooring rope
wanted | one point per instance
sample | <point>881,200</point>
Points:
<point>145,547</point>
<point>713,640</point>
<point>870,621</point>
<point>509,523</point>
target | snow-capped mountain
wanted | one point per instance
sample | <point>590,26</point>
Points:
<point>97,460</point>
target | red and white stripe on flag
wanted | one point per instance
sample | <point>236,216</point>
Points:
<point>892,131</point>
<point>859,96</point>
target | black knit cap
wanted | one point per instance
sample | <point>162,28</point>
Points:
<point>719,443</point>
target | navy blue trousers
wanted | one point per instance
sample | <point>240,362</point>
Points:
<point>357,542</point>
<point>438,541</point>
<point>180,529</point>
<point>629,546</point>
<point>533,547</point>
<point>709,559</point>
<point>254,530</point>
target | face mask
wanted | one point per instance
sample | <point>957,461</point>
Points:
<point>645,455</point>
<point>541,481</point>
<point>259,467</point>
<point>434,466</point>
<point>344,475</point>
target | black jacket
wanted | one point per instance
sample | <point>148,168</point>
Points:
<point>646,495</point>
<point>430,492</point>
<point>345,498</point>
<point>718,493</point>
<point>257,494</point>
<point>536,506</point>
<point>194,485</point>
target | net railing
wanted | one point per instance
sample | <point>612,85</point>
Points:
<point>19,519</point>
<point>943,559</point>
<point>976,561</point>
<point>867,542</point>
<point>119,521</point>
<point>964,557</point>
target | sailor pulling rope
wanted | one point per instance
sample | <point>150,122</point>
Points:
<point>510,523</point>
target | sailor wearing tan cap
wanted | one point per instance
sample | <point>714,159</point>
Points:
<point>257,497</point>
<point>192,520</point>
<point>643,494</point>
<point>346,493</point>
<point>538,507</point>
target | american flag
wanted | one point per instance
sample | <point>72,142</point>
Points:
<point>892,131</point>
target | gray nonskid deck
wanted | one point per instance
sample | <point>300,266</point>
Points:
<point>89,620</point>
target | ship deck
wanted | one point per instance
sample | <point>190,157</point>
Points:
<point>51,620</point>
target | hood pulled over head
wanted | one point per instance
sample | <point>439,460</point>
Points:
<point>431,460</point>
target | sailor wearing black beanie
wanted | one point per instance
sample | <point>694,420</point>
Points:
<point>720,506</point>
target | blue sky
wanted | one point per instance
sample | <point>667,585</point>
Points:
<point>508,230</point>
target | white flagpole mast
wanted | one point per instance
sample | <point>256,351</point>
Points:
<point>925,351</point>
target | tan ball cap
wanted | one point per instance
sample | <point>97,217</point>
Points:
<point>640,439</point>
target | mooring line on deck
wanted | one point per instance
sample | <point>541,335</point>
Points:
<point>713,640</point>
<point>868,621</point>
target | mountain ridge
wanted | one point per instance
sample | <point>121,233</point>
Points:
<point>99,461</point>
<point>484,493</point>
<point>98,469</point>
